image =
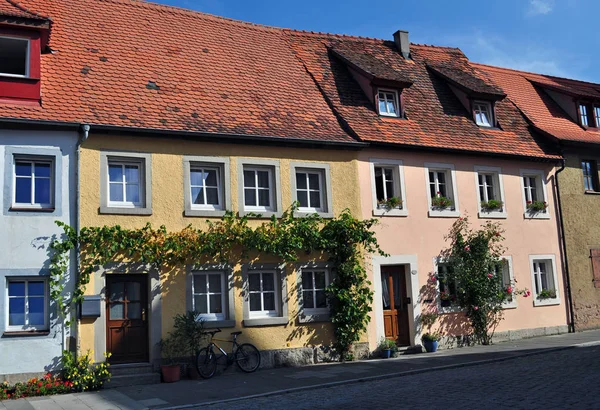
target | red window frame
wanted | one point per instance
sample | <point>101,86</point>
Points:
<point>23,89</point>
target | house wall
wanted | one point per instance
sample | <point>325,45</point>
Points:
<point>417,239</point>
<point>581,213</point>
<point>24,241</point>
<point>168,209</point>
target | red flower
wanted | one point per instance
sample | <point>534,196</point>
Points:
<point>48,386</point>
<point>497,234</point>
<point>475,307</point>
<point>490,275</point>
<point>528,202</point>
<point>509,290</point>
<point>40,384</point>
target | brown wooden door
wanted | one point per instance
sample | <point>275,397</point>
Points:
<point>395,304</point>
<point>127,318</point>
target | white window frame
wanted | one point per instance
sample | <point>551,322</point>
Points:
<point>141,183</point>
<point>224,294</point>
<point>321,178</point>
<point>224,180</point>
<point>258,314</point>
<point>540,181</point>
<point>396,102</point>
<point>551,261</point>
<point>27,327</point>
<point>488,105</point>
<point>596,109</point>
<point>398,177</point>
<point>258,208</point>
<point>498,190</point>
<point>436,270</point>
<point>451,212</point>
<point>32,160</point>
<point>584,116</point>
<point>207,207</point>
<point>326,210</point>
<point>314,311</point>
<point>511,304</point>
<point>144,161</point>
<point>27,58</point>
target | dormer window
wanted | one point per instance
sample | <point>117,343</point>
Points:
<point>483,113</point>
<point>388,103</point>
<point>597,115</point>
<point>584,115</point>
<point>14,57</point>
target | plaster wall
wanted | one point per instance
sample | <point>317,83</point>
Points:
<point>421,237</point>
<point>24,242</point>
<point>168,209</point>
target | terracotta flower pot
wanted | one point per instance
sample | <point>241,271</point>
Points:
<point>170,373</point>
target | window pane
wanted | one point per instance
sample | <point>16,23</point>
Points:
<point>16,312</point>
<point>303,198</point>
<point>36,311</point>
<point>320,280</point>
<point>269,300</point>
<point>249,179</point>
<point>215,304</point>
<point>315,199</point>
<point>254,282</point>
<point>264,197</point>
<point>263,179</point>
<point>321,299</point>
<point>307,282</point>
<point>200,304</point>
<point>301,180</point>
<point>211,177</point>
<point>391,107</point>
<point>133,291</point>
<point>307,297</point>
<point>268,283</point>
<point>214,283</point>
<point>35,288</point>
<point>115,173</point>
<point>196,177</point>
<point>313,181</point>
<point>441,177</point>
<point>117,311</point>
<point>42,191</point>
<point>255,304</point>
<point>199,283</point>
<point>133,193</point>
<point>23,168</point>
<point>212,196</point>
<point>116,192</point>
<point>42,170</point>
<point>23,190</point>
<point>16,288</point>
<point>379,184</point>
<point>198,196</point>
<point>250,197</point>
<point>132,174</point>
<point>117,291</point>
<point>134,310</point>
<point>382,105</point>
<point>13,56</point>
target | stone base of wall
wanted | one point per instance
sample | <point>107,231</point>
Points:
<point>20,377</point>
<point>451,342</point>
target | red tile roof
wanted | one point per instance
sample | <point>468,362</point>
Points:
<point>436,118</point>
<point>15,9</point>
<point>525,90</point>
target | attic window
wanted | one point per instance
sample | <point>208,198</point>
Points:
<point>483,113</point>
<point>597,115</point>
<point>388,103</point>
<point>14,57</point>
<point>585,115</point>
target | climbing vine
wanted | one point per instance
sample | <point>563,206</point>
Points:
<point>344,239</point>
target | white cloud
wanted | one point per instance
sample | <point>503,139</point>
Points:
<point>537,7</point>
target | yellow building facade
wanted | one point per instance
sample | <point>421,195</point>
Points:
<point>131,181</point>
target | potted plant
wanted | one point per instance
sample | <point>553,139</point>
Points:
<point>536,206</point>
<point>546,294</point>
<point>189,329</point>
<point>441,202</point>
<point>492,205</point>
<point>386,348</point>
<point>171,351</point>
<point>390,203</point>
<point>430,339</point>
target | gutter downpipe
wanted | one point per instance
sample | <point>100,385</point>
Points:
<point>84,134</point>
<point>564,246</point>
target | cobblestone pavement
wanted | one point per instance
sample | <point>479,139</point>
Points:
<point>560,380</point>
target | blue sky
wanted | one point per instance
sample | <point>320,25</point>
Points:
<point>556,37</point>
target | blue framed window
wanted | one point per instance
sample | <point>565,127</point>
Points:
<point>33,183</point>
<point>27,304</point>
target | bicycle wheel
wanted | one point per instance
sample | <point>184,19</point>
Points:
<point>206,363</point>
<point>247,358</point>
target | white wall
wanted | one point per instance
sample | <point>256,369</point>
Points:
<point>24,243</point>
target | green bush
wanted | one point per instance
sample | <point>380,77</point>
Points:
<point>82,373</point>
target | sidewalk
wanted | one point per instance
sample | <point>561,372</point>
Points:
<point>233,385</point>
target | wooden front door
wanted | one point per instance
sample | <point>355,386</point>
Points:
<point>395,304</point>
<point>127,318</point>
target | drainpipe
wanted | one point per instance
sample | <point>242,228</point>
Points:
<point>564,246</point>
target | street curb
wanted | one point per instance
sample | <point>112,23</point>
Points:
<point>383,376</point>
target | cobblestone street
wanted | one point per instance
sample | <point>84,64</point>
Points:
<point>559,380</point>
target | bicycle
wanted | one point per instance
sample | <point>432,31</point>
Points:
<point>246,356</point>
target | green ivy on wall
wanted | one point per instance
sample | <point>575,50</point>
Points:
<point>344,239</point>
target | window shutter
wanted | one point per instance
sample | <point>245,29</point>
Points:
<point>595,256</point>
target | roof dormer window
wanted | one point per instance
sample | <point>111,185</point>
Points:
<point>584,112</point>
<point>14,56</point>
<point>597,114</point>
<point>483,113</point>
<point>388,103</point>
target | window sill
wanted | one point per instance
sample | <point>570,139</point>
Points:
<point>266,321</point>
<point>110,210</point>
<point>539,215</point>
<point>26,333</point>
<point>450,309</point>
<point>261,214</point>
<point>27,209</point>
<point>492,214</point>
<point>314,317</point>
<point>300,214</point>
<point>546,302</point>
<point>436,213</point>
<point>591,192</point>
<point>391,212</point>
<point>217,213</point>
<point>212,324</point>
<point>19,77</point>
<point>510,305</point>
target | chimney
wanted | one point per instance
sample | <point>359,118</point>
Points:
<point>401,40</point>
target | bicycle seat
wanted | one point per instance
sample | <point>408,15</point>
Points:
<point>236,333</point>
<point>213,332</point>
